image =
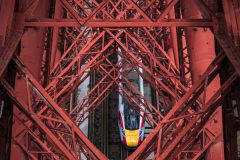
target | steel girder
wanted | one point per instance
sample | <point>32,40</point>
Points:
<point>13,40</point>
<point>57,126</point>
<point>177,113</point>
<point>220,32</point>
<point>111,13</point>
<point>117,23</point>
<point>93,32</point>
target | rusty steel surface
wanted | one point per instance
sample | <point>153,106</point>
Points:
<point>173,43</point>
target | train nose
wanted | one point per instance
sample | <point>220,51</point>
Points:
<point>132,141</point>
<point>132,138</point>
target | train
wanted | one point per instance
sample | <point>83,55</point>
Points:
<point>131,118</point>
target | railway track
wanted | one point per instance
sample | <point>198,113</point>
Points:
<point>103,125</point>
<point>114,143</point>
<point>98,121</point>
<point>116,151</point>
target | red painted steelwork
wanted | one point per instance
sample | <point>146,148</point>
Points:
<point>202,52</point>
<point>117,23</point>
<point>6,16</point>
<point>13,40</point>
<point>143,34</point>
<point>60,116</point>
<point>196,90</point>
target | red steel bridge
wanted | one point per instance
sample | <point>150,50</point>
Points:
<point>189,53</point>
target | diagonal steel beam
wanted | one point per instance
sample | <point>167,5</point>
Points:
<point>167,10</point>
<point>103,4</point>
<point>215,101</point>
<point>23,107</point>
<point>31,132</point>
<point>69,8</point>
<point>85,143</point>
<point>7,52</point>
<point>232,52</point>
<point>219,31</point>
<point>211,104</point>
<point>177,106</point>
<point>139,10</point>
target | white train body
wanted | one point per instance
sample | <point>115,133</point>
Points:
<point>131,118</point>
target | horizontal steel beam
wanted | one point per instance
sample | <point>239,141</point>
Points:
<point>44,22</point>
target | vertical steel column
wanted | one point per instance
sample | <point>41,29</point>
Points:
<point>173,32</point>
<point>6,16</point>
<point>200,42</point>
<point>32,48</point>
<point>55,53</point>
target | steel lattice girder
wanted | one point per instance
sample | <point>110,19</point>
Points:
<point>61,117</point>
<point>183,105</point>
<point>137,61</point>
<point>90,53</point>
<point>135,13</point>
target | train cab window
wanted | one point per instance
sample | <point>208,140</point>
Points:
<point>131,120</point>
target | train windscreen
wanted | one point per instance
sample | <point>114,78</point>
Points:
<point>131,118</point>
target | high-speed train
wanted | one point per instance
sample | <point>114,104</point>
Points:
<point>131,118</point>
